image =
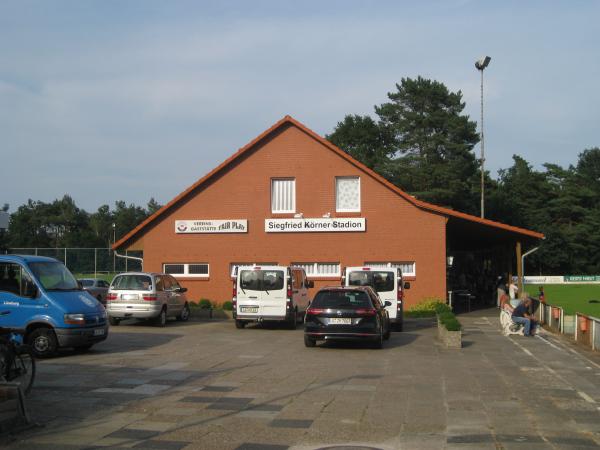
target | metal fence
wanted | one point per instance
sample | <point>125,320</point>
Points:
<point>584,329</point>
<point>87,260</point>
<point>587,331</point>
<point>551,316</point>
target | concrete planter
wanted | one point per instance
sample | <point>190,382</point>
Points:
<point>450,339</point>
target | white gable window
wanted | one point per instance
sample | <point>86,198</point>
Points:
<point>320,269</point>
<point>283,195</point>
<point>347,194</point>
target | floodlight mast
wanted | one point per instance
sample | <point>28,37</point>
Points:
<point>481,64</point>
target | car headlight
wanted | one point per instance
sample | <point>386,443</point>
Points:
<point>75,319</point>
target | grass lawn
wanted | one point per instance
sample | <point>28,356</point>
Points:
<point>572,297</point>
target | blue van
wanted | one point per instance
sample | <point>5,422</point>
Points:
<point>45,300</point>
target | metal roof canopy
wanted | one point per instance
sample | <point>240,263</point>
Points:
<point>466,235</point>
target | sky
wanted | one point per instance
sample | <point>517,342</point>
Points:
<point>128,100</point>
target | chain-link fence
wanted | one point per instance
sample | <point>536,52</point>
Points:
<point>87,260</point>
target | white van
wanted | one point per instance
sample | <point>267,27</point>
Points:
<point>387,282</point>
<point>278,293</point>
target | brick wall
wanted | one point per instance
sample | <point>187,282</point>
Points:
<point>396,229</point>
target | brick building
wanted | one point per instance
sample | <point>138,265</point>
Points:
<point>291,197</point>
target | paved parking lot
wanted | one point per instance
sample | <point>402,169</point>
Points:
<point>206,385</point>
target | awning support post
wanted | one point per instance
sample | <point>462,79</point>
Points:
<point>519,268</point>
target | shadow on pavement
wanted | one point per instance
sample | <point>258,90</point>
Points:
<point>134,342</point>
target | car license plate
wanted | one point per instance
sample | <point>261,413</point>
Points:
<point>129,296</point>
<point>340,321</point>
<point>249,309</point>
<point>99,332</point>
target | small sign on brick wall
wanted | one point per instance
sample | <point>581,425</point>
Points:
<point>211,226</point>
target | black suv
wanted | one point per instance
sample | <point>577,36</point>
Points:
<point>353,312</point>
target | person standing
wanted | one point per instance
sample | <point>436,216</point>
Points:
<point>500,290</point>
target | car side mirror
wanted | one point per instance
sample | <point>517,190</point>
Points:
<point>406,285</point>
<point>182,289</point>
<point>387,303</point>
<point>80,285</point>
<point>310,284</point>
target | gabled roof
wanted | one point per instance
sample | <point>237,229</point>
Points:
<point>287,121</point>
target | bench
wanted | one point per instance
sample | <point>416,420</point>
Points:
<point>508,326</point>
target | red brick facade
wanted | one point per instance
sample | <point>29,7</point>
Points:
<point>397,227</point>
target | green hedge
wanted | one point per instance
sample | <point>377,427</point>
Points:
<point>424,309</point>
<point>434,307</point>
<point>447,317</point>
<point>227,306</point>
<point>205,303</point>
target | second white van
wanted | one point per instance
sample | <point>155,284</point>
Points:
<point>387,282</point>
<point>263,293</point>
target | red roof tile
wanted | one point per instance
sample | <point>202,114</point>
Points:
<point>288,120</point>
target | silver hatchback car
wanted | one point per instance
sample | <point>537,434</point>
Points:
<point>142,295</point>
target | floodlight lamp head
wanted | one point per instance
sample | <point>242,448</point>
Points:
<point>482,62</point>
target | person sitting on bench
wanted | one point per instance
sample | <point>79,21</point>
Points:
<point>522,315</point>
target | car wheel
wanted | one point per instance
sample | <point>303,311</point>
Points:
<point>386,335</point>
<point>161,319</point>
<point>400,326</point>
<point>114,321</point>
<point>292,321</point>
<point>309,342</point>
<point>43,342</point>
<point>184,315</point>
<point>239,324</point>
<point>379,339</point>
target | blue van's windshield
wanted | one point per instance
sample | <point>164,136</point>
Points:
<point>54,276</point>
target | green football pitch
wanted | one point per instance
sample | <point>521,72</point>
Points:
<point>572,297</point>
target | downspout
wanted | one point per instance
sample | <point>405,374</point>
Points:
<point>135,258</point>
<point>527,253</point>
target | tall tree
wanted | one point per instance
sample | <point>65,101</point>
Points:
<point>152,206</point>
<point>127,217</point>
<point>62,224</point>
<point>364,140</point>
<point>101,226</point>
<point>422,142</point>
<point>3,236</point>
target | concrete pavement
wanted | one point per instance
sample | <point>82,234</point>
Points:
<point>207,385</point>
